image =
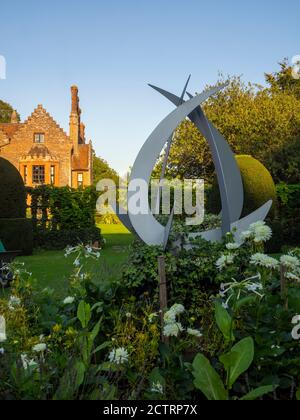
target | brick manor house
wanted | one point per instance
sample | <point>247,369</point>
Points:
<point>43,153</point>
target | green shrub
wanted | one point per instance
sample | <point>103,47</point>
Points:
<point>289,213</point>
<point>189,273</point>
<point>258,184</point>
<point>63,216</point>
<point>15,229</point>
<point>60,239</point>
<point>13,194</point>
<point>17,235</point>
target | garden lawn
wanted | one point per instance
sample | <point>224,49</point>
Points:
<point>51,268</point>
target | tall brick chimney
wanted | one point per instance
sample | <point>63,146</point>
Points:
<point>75,119</point>
<point>82,132</point>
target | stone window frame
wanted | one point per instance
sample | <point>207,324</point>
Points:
<point>40,134</point>
<point>40,177</point>
<point>79,182</point>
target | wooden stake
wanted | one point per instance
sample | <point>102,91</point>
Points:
<point>283,286</point>
<point>163,296</point>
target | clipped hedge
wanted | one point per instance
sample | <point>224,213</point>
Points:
<point>63,216</point>
<point>289,213</point>
<point>17,235</point>
<point>258,184</point>
<point>15,230</point>
<point>60,239</point>
<point>13,193</point>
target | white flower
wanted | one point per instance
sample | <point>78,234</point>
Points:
<point>2,351</point>
<point>170,317</point>
<point>257,225</point>
<point>246,235</point>
<point>172,330</point>
<point>258,231</point>
<point>290,262</point>
<point>2,329</point>
<point>28,363</point>
<point>13,302</point>
<point>157,388</point>
<point>194,333</point>
<point>128,315</point>
<point>119,356</point>
<point>224,260</point>
<point>292,276</point>
<point>262,234</point>
<point>39,348</point>
<point>76,263</point>
<point>232,246</point>
<point>253,287</point>
<point>69,300</point>
<point>177,309</point>
<point>263,260</point>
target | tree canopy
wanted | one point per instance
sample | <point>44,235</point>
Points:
<point>263,122</point>
<point>5,112</point>
<point>102,170</point>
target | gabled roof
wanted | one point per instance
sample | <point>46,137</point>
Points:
<point>41,111</point>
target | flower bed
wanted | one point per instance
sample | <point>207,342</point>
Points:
<point>237,339</point>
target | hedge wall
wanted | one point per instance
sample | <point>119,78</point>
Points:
<point>63,216</point>
<point>289,212</point>
<point>15,230</point>
<point>17,235</point>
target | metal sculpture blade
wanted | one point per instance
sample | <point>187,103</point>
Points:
<point>147,227</point>
<point>229,177</point>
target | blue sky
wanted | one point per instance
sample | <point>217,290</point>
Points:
<point>112,49</point>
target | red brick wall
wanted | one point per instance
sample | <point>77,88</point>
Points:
<point>56,140</point>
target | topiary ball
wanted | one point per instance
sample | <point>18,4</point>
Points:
<point>13,193</point>
<point>258,184</point>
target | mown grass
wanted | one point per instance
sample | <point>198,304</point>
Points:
<point>51,268</point>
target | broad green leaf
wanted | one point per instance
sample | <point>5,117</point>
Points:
<point>238,360</point>
<point>245,301</point>
<point>84,313</point>
<point>80,372</point>
<point>207,380</point>
<point>93,334</point>
<point>224,322</point>
<point>102,346</point>
<point>259,392</point>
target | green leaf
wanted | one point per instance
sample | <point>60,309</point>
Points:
<point>102,346</point>
<point>245,301</point>
<point>156,377</point>
<point>259,392</point>
<point>80,372</point>
<point>84,313</point>
<point>238,360</point>
<point>298,395</point>
<point>93,334</point>
<point>224,322</point>
<point>207,380</point>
